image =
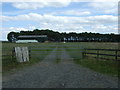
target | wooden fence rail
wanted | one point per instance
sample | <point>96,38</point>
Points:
<point>116,55</point>
<point>21,54</point>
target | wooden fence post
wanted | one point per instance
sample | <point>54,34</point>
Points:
<point>97,54</point>
<point>29,54</point>
<point>13,53</point>
<point>22,54</point>
<point>84,53</point>
<point>116,55</point>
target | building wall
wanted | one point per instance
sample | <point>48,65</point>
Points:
<point>26,41</point>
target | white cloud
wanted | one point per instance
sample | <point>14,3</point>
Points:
<point>105,1</point>
<point>40,0</point>
<point>105,19</point>
<point>60,0</point>
<point>65,28</point>
<point>100,24</point>
<point>73,12</point>
<point>106,7</point>
<point>105,29</point>
<point>98,4</point>
<point>111,11</point>
<point>42,4</point>
<point>17,29</point>
<point>103,5</point>
<point>5,30</point>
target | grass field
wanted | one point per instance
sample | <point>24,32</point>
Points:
<point>110,67</point>
<point>40,50</point>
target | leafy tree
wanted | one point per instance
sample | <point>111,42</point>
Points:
<point>68,37</point>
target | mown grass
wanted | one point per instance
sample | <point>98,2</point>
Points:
<point>109,67</point>
<point>38,52</point>
<point>74,51</point>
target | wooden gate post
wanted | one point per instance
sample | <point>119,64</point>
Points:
<point>98,54</point>
<point>83,53</point>
<point>13,53</point>
<point>22,54</point>
<point>116,55</point>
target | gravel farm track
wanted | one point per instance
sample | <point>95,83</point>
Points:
<point>65,74</point>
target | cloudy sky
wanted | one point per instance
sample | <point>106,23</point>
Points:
<point>63,16</point>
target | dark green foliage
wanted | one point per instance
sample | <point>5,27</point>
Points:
<point>68,37</point>
<point>9,36</point>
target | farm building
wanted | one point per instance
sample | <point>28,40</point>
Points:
<point>31,38</point>
<point>26,41</point>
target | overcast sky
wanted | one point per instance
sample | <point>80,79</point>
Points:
<point>63,16</point>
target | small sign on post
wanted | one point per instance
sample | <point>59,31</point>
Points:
<point>22,54</point>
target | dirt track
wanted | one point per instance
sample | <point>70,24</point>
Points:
<point>66,74</point>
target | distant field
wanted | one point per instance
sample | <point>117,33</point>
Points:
<point>40,50</point>
<point>96,45</point>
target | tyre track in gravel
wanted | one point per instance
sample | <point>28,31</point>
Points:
<point>65,74</point>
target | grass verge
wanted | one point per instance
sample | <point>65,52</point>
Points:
<point>108,67</point>
<point>38,52</point>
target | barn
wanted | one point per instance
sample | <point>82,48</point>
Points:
<point>31,38</point>
<point>26,41</point>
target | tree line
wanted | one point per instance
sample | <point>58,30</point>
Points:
<point>55,36</point>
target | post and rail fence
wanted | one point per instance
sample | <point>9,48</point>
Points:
<point>22,54</point>
<point>98,54</point>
